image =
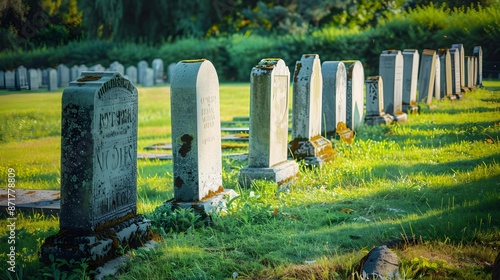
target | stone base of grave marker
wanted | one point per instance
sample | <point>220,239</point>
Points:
<point>100,246</point>
<point>400,117</point>
<point>213,203</point>
<point>410,109</point>
<point>379,120</point>
<point>315,151</point>
<point>282,173</point>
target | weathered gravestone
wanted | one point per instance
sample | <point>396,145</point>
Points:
<point>455,71</point>
<point>307,143</point>
<point>142,67</point>
<point>132,74</point>
<point>148,78</point>
<point>354,93</point>
<point>40,78</point>
<point>474,73</point>
<point>21,78</point>
<point>375,102</point>
<point>445,75</point>
<point>170,73</point>
<point>10,79</point>
<point>478,53</point>
<point>158,67</point>
<point>32,79</point>
<point>81,69</point>
<point>97,68</point>
<point>391,70</point>
<point>74,72</point>
<point>2,79</point>
<point>267,154</point>
<point>437,79</point>
<point>410,79</point>
<point>117,67</point>
<point>334,96</point>
<point>196,138</point>
<point>63,75</point>
<point>52,79</point>
<point>98,171</point>
<point>461,51</point>
<point>469,72</point>
<point>45,77</point>
<point>427,76</point>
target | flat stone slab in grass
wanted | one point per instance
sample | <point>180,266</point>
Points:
<point>28,200</point>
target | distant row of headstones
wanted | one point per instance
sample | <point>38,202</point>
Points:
<point>52,79</point>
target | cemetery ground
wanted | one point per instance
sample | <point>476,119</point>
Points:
<point>428,188</point>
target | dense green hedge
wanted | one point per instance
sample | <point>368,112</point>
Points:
<point>234,56</point>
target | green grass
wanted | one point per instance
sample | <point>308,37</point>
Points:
<point>429,188</point>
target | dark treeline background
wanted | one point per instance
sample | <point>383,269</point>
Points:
<point>130,30</point>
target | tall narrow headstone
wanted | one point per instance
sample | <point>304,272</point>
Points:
<point>45,77</point>
<point>40,78</point>
<point>63,75</point>
<point>170,73</point>
<point>157,66</point>
<point>117,67</point>
<point>474,74</point>
<point>269,95</point>
<point>355,93</point>
<point>478,53</point>
<point>391,70</point>
<point>98,170</point>
<point>132,74</point>
<point>437,79</point>
<point>21,78</point>
<point>74,73</point>
<point>375,102</point>
<point>469,72</point>
<point>148,78</point>
<point>196,139</point>
<point>307,143</point>
<point>446,74</point>
<point>10,79</point>
<point>142,67</point>
<point>2,79</point>
<point>410,80</point>
<point>52,79</point>
<point>334,96</point>
<point>32,79</point>
<point>461,51</point>
<point>427,76</point>
<point>455,71</point>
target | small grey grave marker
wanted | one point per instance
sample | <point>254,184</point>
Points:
<point>32,79</point>
<point>446,78</point>
<point>142,67</point>
<point>461,51</point>
<point>40,78</point>
<point>74,72</point>
<point>52,79</point>
<point>10,79</point>
<point>132,74</point>
<point>334,96</point>
<point>427,76</point>
<point>269,95</point>
<point>63,75</point>
<point>375,113</point>
<point>97,68</point>
<point>157,66</point>
<point>148,78</point>
<point>307,143</point>
<point>437,79</point>
<point>117,67</point>
<point>355,93</point>
<point>410,80</point>
<point>2,79</point>
<point>21,78</point>
<point>455,71</point>
<point>478,53</point>
<point>170,72</point>
<point>391,71</point>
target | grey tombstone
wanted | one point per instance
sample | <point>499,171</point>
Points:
<point>2,79</point>
<point>52,79</point>
<point>461,51</point>
<point>97,68</point>
<point>411,60</point>
<point>478,53</point>
<point>81,69</point>
<point>455,71</point>
<point>40,78</point>
<point>117,67</point>
<point>142,67</point>
<point>21,78</point>
<point>427,76</point>
<point>469,71</point>
<point>148,78</point>
<point>158,70</point>
<point>45,77</point>
<point>375,102</point>
<point>74,72</point>
<point>474,74</point>
<point>196,138</point>
<point>307,143</point>
<point>334,96</point>
<point>170,72</point>
<point>391,70</point>
<point>10,79</point>
<point>446,74</point>
<point>269,95</point>
<point>437,79</point>
<point>63,75</point>
<point>132,74</point>
<point>98,170</point>
<point>354,93</point>
<point>32,79</point>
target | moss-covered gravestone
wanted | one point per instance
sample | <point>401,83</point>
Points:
<point>98,171</point>
<point>375,102</point>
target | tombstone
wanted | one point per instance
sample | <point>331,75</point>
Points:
<point>170,72</point>
<point>455,71</point>
<point>21,78</point>
<point>196,138</point>
<point>391,71</point>
<point>426,76</point>
<point>63,75</point>
<point>437,79</point>
<point>2,79</point>
<point>40,78</point>
<point>157,66</point>
<point>98,171</point>
<point>334,96</point>
<point>10,79</point>
<point>469,72</point>
<point>32,79</point>
<point>45,77</point>
<point>474,74</point>
<point>410,80</point>
<point>142,67</point>
<point>148,78</point>
<point>354,93</point>
<point>478,53</point>
<point>267,154</point>
<point>52,79</point>
<point>307,143</point>
<point>446,74</point>
<point>132,74</point>
<point>461,62</point>
<point>73,71</point>
<point>375,102</point>
<point>81,69</point>
<point>97,68</point>
<point>117,67</point>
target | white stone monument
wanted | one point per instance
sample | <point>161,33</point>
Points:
<point>334,96</point>
<point>355,94</point>
<point>411,60</point>
<point>391,70</point>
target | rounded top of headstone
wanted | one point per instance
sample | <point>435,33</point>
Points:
<point>353,66</point>
<point>191,72</point>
